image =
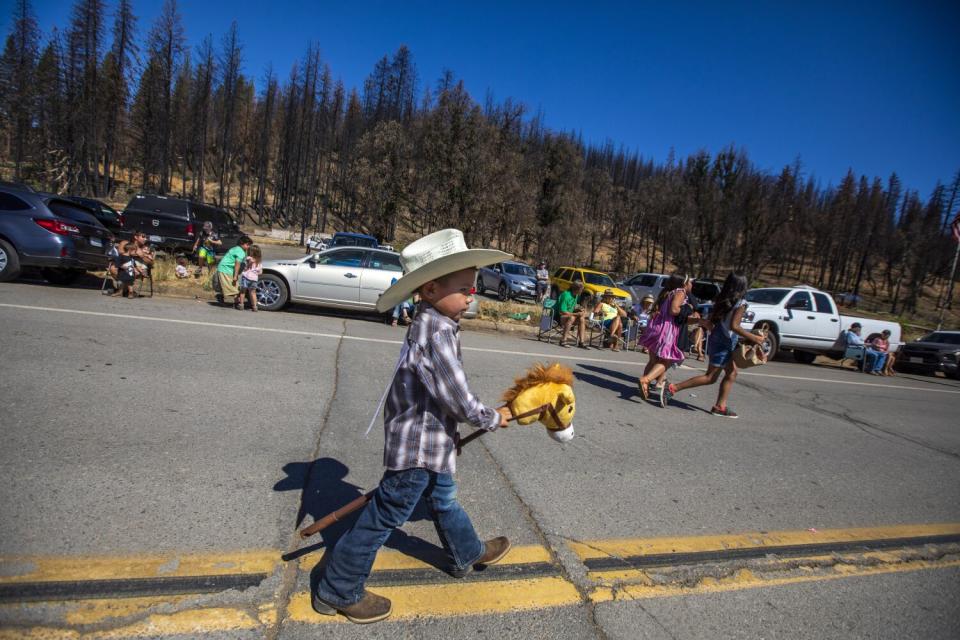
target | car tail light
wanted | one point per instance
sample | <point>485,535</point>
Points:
<point>120,219</point>
<point>55,226</point>
<point>190,229</point>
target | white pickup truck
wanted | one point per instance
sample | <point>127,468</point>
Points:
<point>806,320</point>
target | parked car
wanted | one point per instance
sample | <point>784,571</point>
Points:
<point>594,283</point>
<point>342,278</point>
<point>107,215</point>
<point>173,223</point>
<point>806,320</point>
<point>54,234</point>
<point>316,243</point>
<point>509,279</point>
<point>937,351</point>
<point>344,239</point>
<point>643,284</point>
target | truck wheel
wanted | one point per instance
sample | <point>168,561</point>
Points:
<point>480,287</point>
<point>804,357</point>
<point>272,292</point>
<point>771,344</point>
<point>9,262</point>
<point>502,292</point>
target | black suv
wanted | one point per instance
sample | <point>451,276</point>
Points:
<point>107,215</point>
<point>173,224</point>
<point>937,351</point>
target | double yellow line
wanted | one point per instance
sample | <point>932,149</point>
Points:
<point>119,597</point>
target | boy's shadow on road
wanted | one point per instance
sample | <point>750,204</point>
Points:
<point>323,490</point>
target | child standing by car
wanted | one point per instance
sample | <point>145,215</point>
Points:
<point>426,400</point>
<point>725,333</point>
<point>206,247</point>
<point>250,276</point>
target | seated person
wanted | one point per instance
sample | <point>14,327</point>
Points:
<point>405,310</point>
<point>571,312</point>
<point>880,342</point>
<point>127,269</point>
<point>142,252</point>
<point>182,269</point>
<point>873,360</point>
<point>611,316</point>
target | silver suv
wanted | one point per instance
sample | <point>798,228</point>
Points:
<point>509,280</point>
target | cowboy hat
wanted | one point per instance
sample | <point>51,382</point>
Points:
<point>434,256</point>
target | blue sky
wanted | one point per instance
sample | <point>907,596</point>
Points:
<point>872,86</point>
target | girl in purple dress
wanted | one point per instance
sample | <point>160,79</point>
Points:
<point>660,337</point>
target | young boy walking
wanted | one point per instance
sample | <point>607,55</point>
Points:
<point>428,397</point>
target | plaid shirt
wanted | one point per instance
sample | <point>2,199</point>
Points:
<point>428,397</point>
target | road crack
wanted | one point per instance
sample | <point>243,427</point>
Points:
<point>288,580</point>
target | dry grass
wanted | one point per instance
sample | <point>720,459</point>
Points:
<point>497,311</point>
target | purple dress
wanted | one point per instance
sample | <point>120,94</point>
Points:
<point>660,336</point>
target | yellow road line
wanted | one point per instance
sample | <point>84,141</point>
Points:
<point>70,568</point>
<point>746,579</point>
<point>457,599</point>
<point>388,559</point>
<point>647,546</point>
<point>187,623</point>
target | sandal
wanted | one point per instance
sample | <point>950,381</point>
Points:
<point>644,389</point>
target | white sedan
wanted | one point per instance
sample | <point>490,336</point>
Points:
<point>343,278</point>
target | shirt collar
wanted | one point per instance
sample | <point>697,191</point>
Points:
<point>427,308</point>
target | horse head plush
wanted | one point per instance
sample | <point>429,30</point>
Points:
<point>545,394</point>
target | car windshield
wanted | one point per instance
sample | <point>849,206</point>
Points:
<point>942,337</point>
<point>519,270</point>
<point>767,296</point>
<point>599,279</point>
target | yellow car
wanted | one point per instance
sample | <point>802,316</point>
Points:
<point>594,283</point>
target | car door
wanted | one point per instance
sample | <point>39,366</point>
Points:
<point>828,321</point>
<point>382,269</point>
<point>332,276</point>
<point>800,322</point>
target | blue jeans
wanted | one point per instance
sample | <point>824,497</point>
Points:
<point>349,562</point>
<point>874,360</point>
<point>398,310</point>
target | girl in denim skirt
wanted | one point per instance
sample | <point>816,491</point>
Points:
<point>724,335</point>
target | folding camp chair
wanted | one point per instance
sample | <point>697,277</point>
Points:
<point>600,335</point>
<point>855,352</point>
<point>549,321</point>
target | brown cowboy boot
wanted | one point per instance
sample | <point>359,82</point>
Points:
<point>495,550</point>
<point>370,608</point>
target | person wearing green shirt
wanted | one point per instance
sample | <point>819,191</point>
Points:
<point>571,312</point>
<point>229,268</point>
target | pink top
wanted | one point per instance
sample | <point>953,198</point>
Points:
<point>660,336</point>
<point>880,344</point>
<point>252,270</point>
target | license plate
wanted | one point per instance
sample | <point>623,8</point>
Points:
<point>156,238</point>
<point>96,242</point>
<point>916,360</point>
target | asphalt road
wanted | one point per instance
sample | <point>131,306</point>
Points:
<point>155,440</point>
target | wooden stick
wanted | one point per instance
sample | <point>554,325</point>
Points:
<point>358,503</point>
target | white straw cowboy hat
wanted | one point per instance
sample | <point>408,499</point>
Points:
<point>434,256</point>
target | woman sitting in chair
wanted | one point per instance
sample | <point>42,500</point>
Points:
<point>611,317</point>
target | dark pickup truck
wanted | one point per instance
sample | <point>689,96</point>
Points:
<point>173,224</point>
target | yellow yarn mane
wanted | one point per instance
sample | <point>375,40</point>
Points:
<point>539,374</point>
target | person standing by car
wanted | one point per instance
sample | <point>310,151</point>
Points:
<point>252,268</point>
<point>543,281</point>
<point>205,247</point>
<point>228,271</point>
